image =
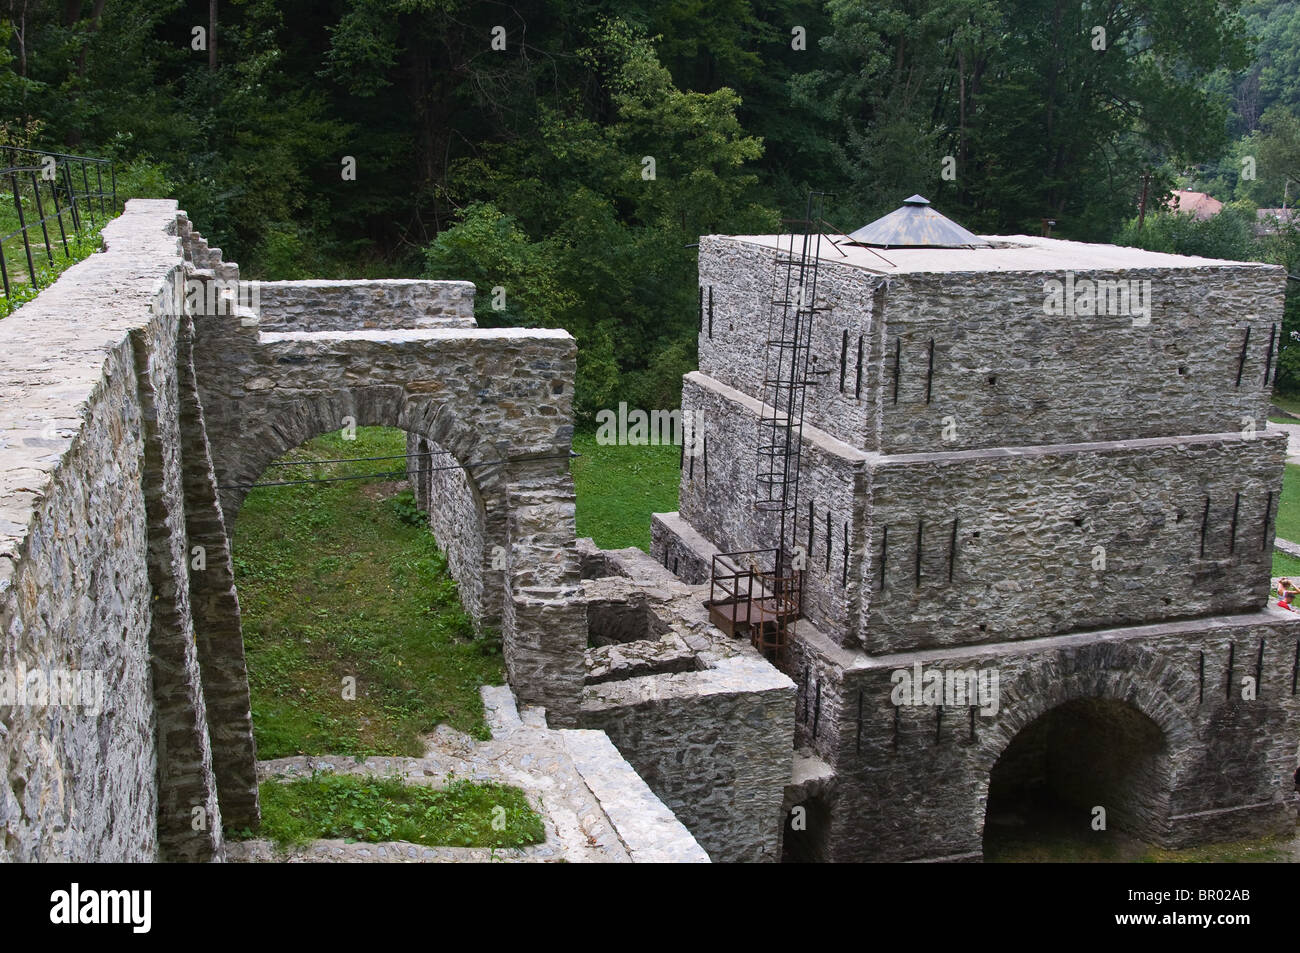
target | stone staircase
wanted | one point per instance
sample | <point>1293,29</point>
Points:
<point>595,808</point>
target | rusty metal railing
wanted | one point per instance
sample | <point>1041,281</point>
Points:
<point>763,603</point>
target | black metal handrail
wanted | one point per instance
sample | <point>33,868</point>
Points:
<point>55,173</point>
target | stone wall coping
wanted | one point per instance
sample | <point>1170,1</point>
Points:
<point>956,457</point>
<point>648,830</point>
<point>736,674</point>
<point>346,283</point>
<point>850,659</point>
<point>54,348</point>
<point>415,335</point>
<point>814,435</point>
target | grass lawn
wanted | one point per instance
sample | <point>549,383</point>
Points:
<point>619,487</point>
<point>1288,402</point>
<point>370,809</point>
<point>1284,565</point>
<point>21,289</point>
<point>1058,846</point>
<point>1288,507</point>
<point>343,580</point>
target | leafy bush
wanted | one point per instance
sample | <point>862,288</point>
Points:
<point>1229,235</point>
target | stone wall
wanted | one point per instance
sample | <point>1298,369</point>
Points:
<point>971,349</point>
<point>458,520</point>
<point>1227,761</point>
<point>497,401</point>
<point>94,564</point>
<point>713,744</point>
<point>351,305</point>
<point>1011,543</point>
<point>717,497</point>
<point>918,550</point>
<point>130,434</point>
<point>704,719</point>
<point>679,548</point>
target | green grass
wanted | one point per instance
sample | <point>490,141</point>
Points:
<point>336,580</point>
<point>1288,507</point>
<point>374,810</point>
<point>1288,402</point>
<point>21,289</point>
<point>1284,565</point>
<point>1113,847</point>
<point>619,487</point>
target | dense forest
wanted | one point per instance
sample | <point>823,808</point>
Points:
<point>571,151</point>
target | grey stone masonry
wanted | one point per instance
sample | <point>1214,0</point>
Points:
<point>924,769</point>
<point>1035,475</point>
<point>93,574</point>
<point>704,719</point>
<point>353,305</point>
<point>952,349</point>
<point>494,403</point>
<point>140,398</point>
<point>917,550</point>
<point>458,519</point>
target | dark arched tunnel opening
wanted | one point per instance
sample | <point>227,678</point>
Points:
<point>1080,780</point>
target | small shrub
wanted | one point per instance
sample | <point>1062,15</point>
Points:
<point>407,511</point>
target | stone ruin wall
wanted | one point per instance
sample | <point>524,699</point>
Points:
<point>458,519</point>
<point>353,304</point>
<point>705,720</point>
<point>91,544</point>
<point>498,402</point>
<point>122,425</point>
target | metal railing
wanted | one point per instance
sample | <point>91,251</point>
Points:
<point>53,186</point>
<point>745,596</point>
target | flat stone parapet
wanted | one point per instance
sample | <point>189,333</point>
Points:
<point>649,831</point>
<point>681,548</point>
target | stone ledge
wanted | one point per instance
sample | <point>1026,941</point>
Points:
<point>649,831</point>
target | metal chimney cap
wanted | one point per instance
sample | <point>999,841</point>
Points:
<point>916,225</point>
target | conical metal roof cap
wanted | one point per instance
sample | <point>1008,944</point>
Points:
<point>916,225</point>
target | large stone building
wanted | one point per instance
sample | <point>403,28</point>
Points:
<point>1039,470</point>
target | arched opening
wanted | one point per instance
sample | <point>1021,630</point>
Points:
<point>356,637</point>
<point>807,832</point>
<point>1082,781</point>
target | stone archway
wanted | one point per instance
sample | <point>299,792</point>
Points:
<point>470,523</point>
<point>1109,692</point>
<point>1086,765</point>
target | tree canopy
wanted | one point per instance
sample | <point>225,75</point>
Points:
<point>567,154</point>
